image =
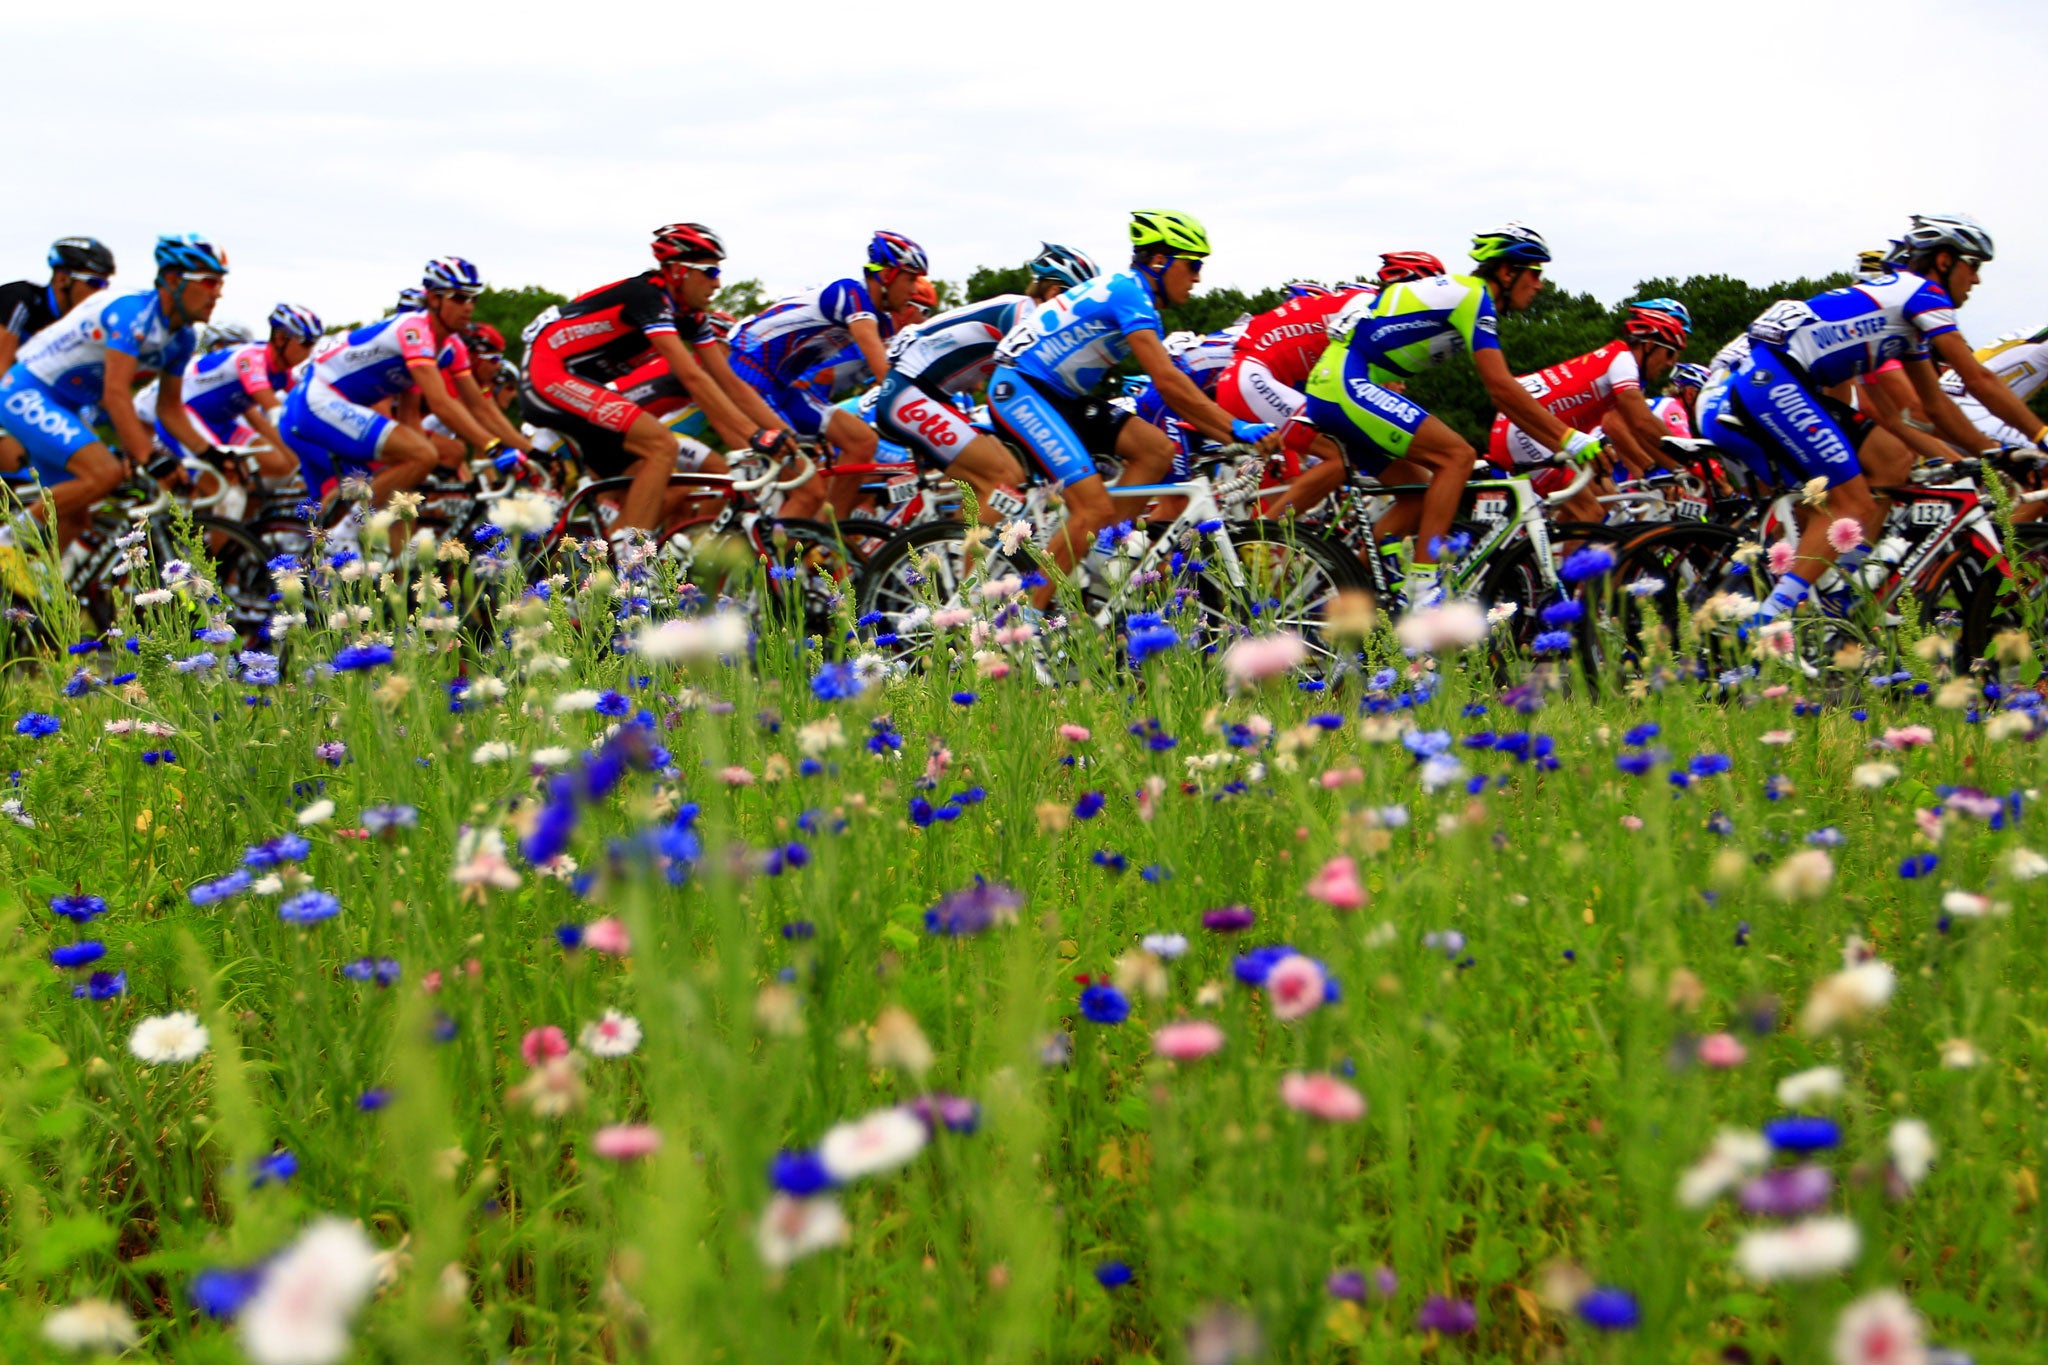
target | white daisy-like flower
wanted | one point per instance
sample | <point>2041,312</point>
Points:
<point>301,1314</point>
<point>1807,1087</point>
<point>881,1141</point>
<point>1880,1328</point>
<point>615,1035</point>
<point>1912,1148</point>
<point>792,1229</point>
<point>319,813</point>
<point>1805,1250</point>
<point>582,699</point>
<point>165,1038</point>
<point>91,1325</point>
<point>491,751</point>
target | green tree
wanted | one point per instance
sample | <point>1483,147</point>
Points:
<point>509,310</point>
<point>991,280</point>
<point>741,298</point>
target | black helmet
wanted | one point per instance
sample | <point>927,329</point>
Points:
<point>81,256</point>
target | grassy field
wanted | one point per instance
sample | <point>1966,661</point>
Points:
<point>1159,1016</point>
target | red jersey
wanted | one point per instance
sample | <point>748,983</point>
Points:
<point>604,334</point>
<point>1290,340</point>
<point>1581,391</point>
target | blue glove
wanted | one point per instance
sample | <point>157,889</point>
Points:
<point>1251,433</point>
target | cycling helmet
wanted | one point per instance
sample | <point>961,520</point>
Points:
<point>690,243</point>
<point>484,339</point>
<point>1306,289</point>
<point>1397,267</point>
<point>1063,265</point>
<point>190,252</point>
<point>293,320</point>
<point>227,334</point>
<point>1175,232</point>
<point>1875,261</point>
<point>1662,322</point>
<point>1957,232</point>
<point>412,300</point>
<point>720,323</point>
<point>451,275</point>
<point>81,256</point>
<point>925,295</point>
<point>1356,287</point>
<point>894,251</point>
<point>1513,244</point>
<point>1686,375</point>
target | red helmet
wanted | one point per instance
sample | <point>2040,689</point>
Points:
<point>925,295</point>
<point>689,242</point>
<point>1398,266</point>
<point>721,323</point>
<point>486,338</point>
<point>1659,322</point>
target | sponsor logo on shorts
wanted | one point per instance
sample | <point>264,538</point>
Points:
<point>929,421</point>
<point>47,418</point>
<point>1397,409</point>
<point>1796,408</point>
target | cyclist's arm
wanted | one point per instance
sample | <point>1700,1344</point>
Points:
<point>426,376</point>
<point>170,410</point>
<point>1515,401</point>
<point>1982,385</point>
<point>725,416</point>
<point>752,406</point>
<point>9,344</point>
<point>135,439</point>
<point>867,334</point>
<point>1882,405</point>
<point>1181,393</point>
<point>1639,435</point>
<point>486,412</point>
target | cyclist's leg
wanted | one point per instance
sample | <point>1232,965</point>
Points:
<point>856,441</point>
<point>1044,433</point>
<point>650,449</point>
<point>11,454</point>
<point>75,467</point>
<point>942,437</point>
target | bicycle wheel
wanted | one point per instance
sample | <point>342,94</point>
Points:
<point>1285,578</point>
<point>2007,596</point>
<point>241,566</point>
<point>809,573</point>
<point>1660,579</point>
<point>923,566</point>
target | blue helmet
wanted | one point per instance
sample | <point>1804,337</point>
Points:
<point>1686,375</point>
<point>412,300</point>
<point>189,251</point>
<point>1658,322</point>
<point>1307,289</point>
<point>293,320</point>
<point>894,251</point>
<point>1063,265</point>
<point>451,275</point>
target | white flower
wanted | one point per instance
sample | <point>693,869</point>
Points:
<point>480,860</point>
<point>177,1037</point>
<point>553,757</point>
<point>1644,587</point>
<point>1912,1147</point>
<point>1880,1328</point>
<point>1734,1155</point>
<point>2007,724</point>
<point>300,1315</point>
<point>1805,1087</point>
<point>91,1324</point>
<point>1013,535</point>
<point>12,809</point>
<point>491,751</point>
<point>1452,625</point>
<point>491,689</point>
<point>877,1142</point>
<point>1960,1054</point>
<point>1848,995</point>
<point>1803,876</point>
<point>269,884</point>
<point>2024,865</point>
<point>707,637</point>
<point>319,813</point>
<point>582,699</point>
<point>1804,1250</point>
<point>896,1040</point>
<point>1501,611</point>
<point>1165,947</point>
<point>793,1228</point>
<point>155,597</point>
<point>1871,776</point>
<point>524,511</point>
<point>820,737</point>
<point>1970,905</point>
<point>615,1035</point>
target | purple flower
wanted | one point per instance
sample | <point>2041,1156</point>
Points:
<point>954,1113</point>
<point>82,954</point>
<point>1919,865</point>
<point>278,1166</point>
<point>1112,1274</point>
<point>1788,1191</point>
<point>102,986</point>
<point>973,909</point>
<point>799,1174</point>
<point>1610,1309</point>
<point>1802,1133</point>
<point>1452,1317</point>
<point>1089,806</point>
<point>220,1294</point>
<point>1590,562</point>
<point>36,725</point>
<point>309,907</point>
<point>358,657</point>
<point>79,909</point>
<point>1228,919</point>
<point>1346,1284</point>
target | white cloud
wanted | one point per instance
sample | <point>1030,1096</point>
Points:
<point>333,151</point>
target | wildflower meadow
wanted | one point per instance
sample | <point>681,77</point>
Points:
<point>581,969</point>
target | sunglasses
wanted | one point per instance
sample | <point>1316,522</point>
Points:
<point>1974,262</point>
<point>206,281</point>
<point>1194,263</point>
<point>464,295</point>
<point>710,272</point>
<point>94,282</point>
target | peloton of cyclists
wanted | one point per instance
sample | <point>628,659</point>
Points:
<point>79,268</point>
<point>235,395</point>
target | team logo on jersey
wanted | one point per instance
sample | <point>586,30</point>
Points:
<point>29,406</point>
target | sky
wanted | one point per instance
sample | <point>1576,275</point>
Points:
<point>332,150</point>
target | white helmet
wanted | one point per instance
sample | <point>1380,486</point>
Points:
<point>1957,232</point>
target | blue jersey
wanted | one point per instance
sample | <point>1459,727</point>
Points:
<point>70,355</point>
<point>791,338</point>
<point>1068,345</point>
<point>1848,332</point>
<point>956,350</point>
<point>843,374</point>
<point>222,385</point>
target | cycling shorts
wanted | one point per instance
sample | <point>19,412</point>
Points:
<point>802,410</point>
<point>591,416</point>
<point>1713,406</point>
<point>1058,432</point>
<point>334,438</point>
<point>1249,391</point>
<point>49,429</point>
<point>1373,425</point>
<point>911,416</point>
<point>1805,433</point>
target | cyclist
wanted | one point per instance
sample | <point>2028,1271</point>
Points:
<point>79,268</point>
<point>1587,391</point>
<point>331,420</point>
<point>625,330</point>
<point>1801,348</point>
<point>228,391</point>
<point>773,350</point>
<point>1412,326</point>
<point>2021,364</point>
<point>92,356</point>
<point>954,353</point>
<point>1053,360</point>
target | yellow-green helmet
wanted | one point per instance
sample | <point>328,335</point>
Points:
<point>1175,232</point>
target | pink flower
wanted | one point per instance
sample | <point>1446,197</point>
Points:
<point>1631,822</point>
<point>945,618</point>
<point>1075,734</point>
<point>543,1045</point>
<point>625,1141</point>
<point>1908,737</point>
<point>1844,534</point>
<point>608,936</point>
<point>1262,657</point>
<point>1342,777</point>
<point>936,763</point>
<point>1781,557</point>
<point>1776,690</point>
<point>431,982</point>
<point>1321,1096</point>
<point>736,776</point>
<point>1337,884</point>
<point>1722,1050</point>
<point>1297,986</point>
<point>1187,1040</point>
<point>1775,738</point>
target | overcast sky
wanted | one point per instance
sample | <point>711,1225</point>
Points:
<point>332,149</point>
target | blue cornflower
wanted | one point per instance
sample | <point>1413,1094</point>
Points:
<point>1636,762</point>
<point>1827,836</point>
<point>1089,806</point>
<point>1110,860</point>
<point>36,725</point>
<point>570,936</point>
<point>220,1294</point>
<point>1590,562</point>
<point>375,1098</point>
<point>1919,865</point>
<point>1611,1309</point>
<point>1709,765</point>
<point>611,703</point>
<point>80,909</point>
<point>1101,1004</point>
<point>220,888</point>
<point>80,683</point>
<point>1563,612</point>
<point>357,657</point>
<point>81,954</point>
<point>1642,734</point>
<point>973,909</point>
<point>799,1174</point>
<point>385,971</point>
<point>378,819</point>
<point>965,699</point>
<point>1112,1274</point>
<point>279,1166</point>
<point>1552,642</point>
<point>1156,873</point>
<point>215,635</point>
<point>1151,640</point>
<point>1802,1133</point>
<point>309,907</point>
<point>836,682</point>
<point>1426,743</point>
<point>102,986</point>
<point>285,848</point>
<point>195,663</point>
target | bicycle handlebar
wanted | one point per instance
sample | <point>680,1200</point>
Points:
<point>1587,473</point>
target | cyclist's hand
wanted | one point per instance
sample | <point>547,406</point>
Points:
<point>165,469</point>
<point>1580,448</point>
<point>772,442</point>
<point>1251,433</point>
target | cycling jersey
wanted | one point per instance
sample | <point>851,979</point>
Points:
<point>1068,345</point>
<point>222,385</point>
<point>2021,364</point>
<point>69,357</point>
<point>843,374</point>
<point>1289,340</point>
<point>26,308</point>
<point>956,351</point>
<point>805,330</point>
<point>1206,359</point>
<point>1671,412</point>
<point>603,335</point>
<point>369,364</point>
<point>1846,333</point>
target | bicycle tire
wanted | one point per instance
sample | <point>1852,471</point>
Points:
<point>1291,575</point>
<point>1690,562</point>
<point>1991,608</point>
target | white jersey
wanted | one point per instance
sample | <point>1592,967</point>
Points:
<point>2022,364</point>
